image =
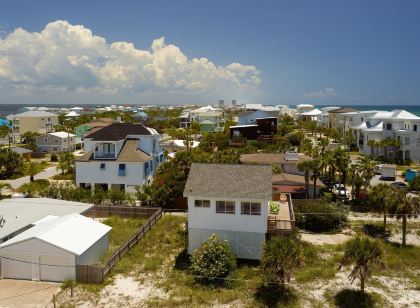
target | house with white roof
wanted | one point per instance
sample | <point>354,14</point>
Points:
<point>33,121</point>
<point>205,115</point>
<point>52,247</point>
<point>232,201</point>
<point>399,125</point>
<point>249,117</point>
<point>119,156</point>
<point>56,142</point>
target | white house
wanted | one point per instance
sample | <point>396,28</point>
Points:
<point>399,125</point>
<point>206,113</point>
<point>250,117</point>
<point>56,142</point>
<point>119,156</point>
<point>231,201</point>
<point>52,247</point>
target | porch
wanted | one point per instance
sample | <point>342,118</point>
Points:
<point>281,218</point>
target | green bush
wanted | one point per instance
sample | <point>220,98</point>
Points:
<point>213,262</point>
<point>320,216</point>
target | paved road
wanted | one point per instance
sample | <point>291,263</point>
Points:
<point>49,172</point>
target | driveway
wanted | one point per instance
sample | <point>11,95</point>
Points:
<point>49,172</point>
<point>24,293</point>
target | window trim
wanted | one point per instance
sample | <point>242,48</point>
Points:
<point>250,212</point>
<point>225,204</point>
<point>201,203</point>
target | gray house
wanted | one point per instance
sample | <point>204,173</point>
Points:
<point>56,142</point>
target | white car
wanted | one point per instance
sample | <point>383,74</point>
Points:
<point>341,193</point>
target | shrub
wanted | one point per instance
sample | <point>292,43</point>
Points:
<point>320,216</point>
<point>213,261</point>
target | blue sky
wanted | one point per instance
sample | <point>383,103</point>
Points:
<point>289,52</point>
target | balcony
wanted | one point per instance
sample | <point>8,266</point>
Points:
<point>281,218</point>
<point>104,155</point>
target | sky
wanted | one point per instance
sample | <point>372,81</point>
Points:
<point>174,52</point>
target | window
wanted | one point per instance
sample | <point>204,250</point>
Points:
<point>121,170</point>
<point>388,126</point>
<point>146,168</point>
<point>202,203</point>
<point>55,140</point>
<point>102,167</point>
<point>45,139</point>
<point>415,127</point>
<point>109,148</point>
<point>225,207</point>
<point>250,208</point>
<point>54,149</point>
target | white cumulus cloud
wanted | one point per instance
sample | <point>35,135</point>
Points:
<point>327,92</point>
<point>65,58</point>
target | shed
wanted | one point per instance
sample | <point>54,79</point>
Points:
<point>51,249</point>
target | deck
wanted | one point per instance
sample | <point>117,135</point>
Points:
<point>281,222</point>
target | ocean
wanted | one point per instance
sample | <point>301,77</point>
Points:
<point>5,110</point>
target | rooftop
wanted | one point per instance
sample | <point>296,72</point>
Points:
<point>342,110</point>
<point>120,131</point>
<point>62,134</point>
<point>269,158</point>
<point>35,113</point>
<point>74,233</point>
<point>229,181</point>
<point>21,212</point>
<point>249,112</point>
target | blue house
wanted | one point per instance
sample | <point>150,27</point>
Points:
<point>5,122</point>
<point>250,117</point>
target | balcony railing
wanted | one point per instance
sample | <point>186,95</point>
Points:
<point>106,155</point>
<point>281,218</point>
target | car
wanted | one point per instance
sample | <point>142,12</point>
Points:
<point>400,185</point>
<point>341,193</point>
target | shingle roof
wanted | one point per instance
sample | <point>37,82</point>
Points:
<point>271,158</point>
<point>128,153</point>
<point>342,110</point>
<point>229,181</point>
<point>119,131</point>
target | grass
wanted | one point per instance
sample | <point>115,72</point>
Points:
<point>122,230</point>
<point>160,259</point>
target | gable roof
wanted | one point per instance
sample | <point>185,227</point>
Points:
<point>342,110</point>
<point>229,181</point>
<point>249,112</point>
<point>74,233</point>
<point>119,131</point>
<point>271,158</point>
<point>35,113</point>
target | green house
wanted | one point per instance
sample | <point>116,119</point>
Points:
<point>207,126</point>
<point>81,129</point>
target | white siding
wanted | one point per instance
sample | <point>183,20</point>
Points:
<point>95,252</point>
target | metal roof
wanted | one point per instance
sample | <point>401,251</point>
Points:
<point>22,212</point>
<point>74,233</point>
<point>229,181</point>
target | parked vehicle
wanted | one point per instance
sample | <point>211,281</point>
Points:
<point>400,185</point>
<point>342,193</point>
<point>388,172</point>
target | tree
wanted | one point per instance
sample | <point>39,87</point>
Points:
<point>365,254</point>
<point>306,167</point>
<point>4,186</point>
<point>34,167</point>
<point>341,160</point>
<point>366,166</point>
<point>65,162</point>
<point>280,256</point>
<point>213,262</point>
<point>371,143</point>
<point>315,168</point>
<point>10,162</point>
<point>382,198</point>
<point>352,171</point>
<point>30,189</point>
<point>406,207</point>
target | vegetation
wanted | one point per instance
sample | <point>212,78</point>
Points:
<point>122,230</point>
<point>213,262</point>
<point>66,162</point>
<point>10,162</point>
<point>34,167</point>
<point>4,186</point>
<point>365,254</point>
<point>281,255</point>
<point>320,216</point>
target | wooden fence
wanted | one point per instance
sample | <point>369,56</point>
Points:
<point>97,273</point>
<point>100,210</point>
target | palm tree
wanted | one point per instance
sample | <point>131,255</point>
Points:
<point>34,167</point>
<point>4,186</point>
<point>65,162</point>
<point>364,253</point>
<point>30,189</point>
<point>352,170</point>
<point>382,199</point>
<point>305,166</point>
<point>315,168</point>
<point>407,207</point>
<point>366,167</point>
<point>341,160</point>
<point>281,254</point>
